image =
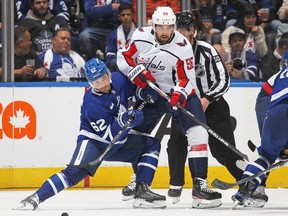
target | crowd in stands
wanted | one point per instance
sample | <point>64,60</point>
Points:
<point>253,33</point>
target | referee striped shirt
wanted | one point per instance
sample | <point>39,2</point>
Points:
<point>212,77</point>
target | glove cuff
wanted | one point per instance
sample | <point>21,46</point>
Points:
<point>181,90</point>
<point>132,74</point>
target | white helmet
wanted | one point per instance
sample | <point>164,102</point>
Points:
<point>163,15</point>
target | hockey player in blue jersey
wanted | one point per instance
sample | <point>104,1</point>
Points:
<point>274,136</point>
<point>103,114</point>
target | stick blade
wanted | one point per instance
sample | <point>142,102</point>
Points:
<point>217,183</point>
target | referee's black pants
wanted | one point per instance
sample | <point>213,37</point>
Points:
<point>218,119</point>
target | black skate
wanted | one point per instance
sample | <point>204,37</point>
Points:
<point>175,192</point>
<point>203,197</point>
<point>145,198</point>
<point>29,203</point>
<point>129,191</point>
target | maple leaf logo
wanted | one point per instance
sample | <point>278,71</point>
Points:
<point>20,120</point>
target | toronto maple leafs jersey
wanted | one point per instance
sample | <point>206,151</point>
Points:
<point>69,65</point>
<point>279,83</point>
<point>171,64</point>
<point>99,112</point>
<point>60,8</point>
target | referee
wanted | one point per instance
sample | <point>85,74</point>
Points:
<point>213,82</point>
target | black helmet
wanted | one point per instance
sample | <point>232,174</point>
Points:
<point>185,20</point>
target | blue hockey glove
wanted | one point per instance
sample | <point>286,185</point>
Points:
<point>147,94</point>
<point>178,95</point>
<point>136,115</point>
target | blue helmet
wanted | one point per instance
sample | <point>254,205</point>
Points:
<point>95,68</point>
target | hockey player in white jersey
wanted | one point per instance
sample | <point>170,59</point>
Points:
<point>162,55</point>
<point>274,135</point>
<point>104,112</point>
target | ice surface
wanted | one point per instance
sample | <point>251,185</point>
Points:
<point>98,202</point>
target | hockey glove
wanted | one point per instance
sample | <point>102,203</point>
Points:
<point>136,116</point>
<point>178,95</point>
<point>147,94</point>
<point>139,75</point>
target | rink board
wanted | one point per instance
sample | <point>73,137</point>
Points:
<point>39,123</point>
<point>115,177</point>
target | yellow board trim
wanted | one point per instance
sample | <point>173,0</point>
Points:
<point>120,176</point>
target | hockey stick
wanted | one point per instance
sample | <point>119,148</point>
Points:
<point>209,130</point>
<point>251,146</point>
<point>224,185</point>
<point>111,144</point>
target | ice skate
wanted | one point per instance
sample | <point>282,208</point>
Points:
<point>203,197</point>
<point>243,194</point>
<point>29,203</point>
<point>258,198</point>
<point>175,192</point>
<point>128,191</point>
<point>145,198</point>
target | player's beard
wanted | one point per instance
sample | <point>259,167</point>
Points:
<point>163,39</point>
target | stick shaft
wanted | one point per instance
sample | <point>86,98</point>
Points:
<point>209,130</point>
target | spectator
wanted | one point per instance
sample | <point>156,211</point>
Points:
<point>118,37</point>
<point>41,25</point>
<point>59,8</point>
<point>266,11</point>
<point>242,63</point>
<point>283,11</point>
<point>151,5</point>
<point>255,36</point>
<point>28,66</point>
<point>208,16</point>
<point>226,15</point>
<point>15,20</point>
<point>63,63</point>
<point>100,19</point>
<point>270,63</point>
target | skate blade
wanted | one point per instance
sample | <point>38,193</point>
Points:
<point>205,204</point>
<point>175,200</point>
<point>127,198</point>
<point>254,203</point>
<point>24,208</point>
<point>141,203</point>
<point>235,204</point>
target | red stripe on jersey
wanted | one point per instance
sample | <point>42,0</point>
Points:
<point>129,53</point>
<point>182,76</point>
<point>199,147</point>
<point>267,88</point>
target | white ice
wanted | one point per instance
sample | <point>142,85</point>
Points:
<point>98,202</point>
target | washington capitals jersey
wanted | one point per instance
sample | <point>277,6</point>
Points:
<point>280,87</point>
<point>99,112</point>
<point>69,65</point>
<point>171,64</point>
